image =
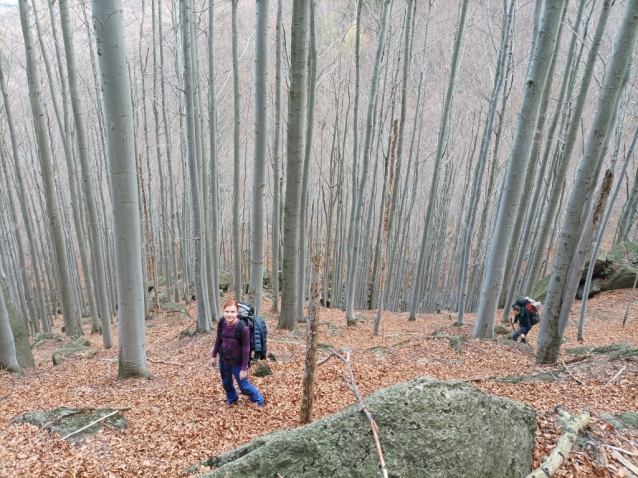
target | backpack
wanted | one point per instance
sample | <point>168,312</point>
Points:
<point>529,306</point>
<point>256,327</point>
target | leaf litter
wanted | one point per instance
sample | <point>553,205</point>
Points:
<point>180,417</point>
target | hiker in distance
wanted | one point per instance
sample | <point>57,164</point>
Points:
<point>526,314</point>
<point>234,354</point>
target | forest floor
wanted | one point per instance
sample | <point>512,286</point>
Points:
<point>180,417</point>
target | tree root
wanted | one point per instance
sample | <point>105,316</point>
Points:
<point>550,464</point>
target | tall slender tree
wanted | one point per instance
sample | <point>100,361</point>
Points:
<point>71,318</point>
<point>258,219</point>
<point>551,333</point>
<point>519,157</point>
<point>108,23</point>
<point>294,161</point>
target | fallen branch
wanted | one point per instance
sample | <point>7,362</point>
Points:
<point>626,463</point>
<point>571,374</point>
<point>475,347</point>
<point>5,396</point>
<point>165,362</point>
<point>617,375</point>
<point>352,386</point>
<point>626,452</point>
<point>83,410</point>
<point>91,424</point>
<point>550,464</point>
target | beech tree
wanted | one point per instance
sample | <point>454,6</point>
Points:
<point>108,22</point>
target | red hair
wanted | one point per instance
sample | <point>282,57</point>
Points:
<point>231,302</point>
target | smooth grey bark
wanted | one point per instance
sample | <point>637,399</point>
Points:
<point>97,248</point>
<point>353,255</point>
<point>628,213</point>
<point>485,149</point>
<point>294,160</point>
<point>568,146</point>
<point>237,262</point>
<point>24,273</point>
<point>166,256</point>
<point>303,216</point>
<point>507,292</point>
<point>8,357</point>
<point>551,333</point>
<point>599,238</point>
<point>22,195</point>
<point>197,220</point>
<point>355,133</point>
<point>214,174</point>
<point>174,221</point>
<point>108,22</point>
<point>519,157</point>
<point>258,213</point>
<point>46,164</point>
<point>441,141</point>
<point>276,161</point>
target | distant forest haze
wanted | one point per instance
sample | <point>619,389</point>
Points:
<point>415,156</point>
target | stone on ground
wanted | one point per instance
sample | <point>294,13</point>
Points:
<point>427,427</point>
<point>65,421</point>
<point>70,349</point>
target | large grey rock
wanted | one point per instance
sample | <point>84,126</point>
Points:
<point>225,280</point>
<point>70,349</point>
<point>20,332</point>
<point>427,428</point>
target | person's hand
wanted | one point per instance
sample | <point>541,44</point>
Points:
<point>243,375</point>
<point>213,362</point>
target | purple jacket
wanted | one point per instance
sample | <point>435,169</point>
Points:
<point>231,352</point>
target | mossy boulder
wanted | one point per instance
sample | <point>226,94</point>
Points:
<point>426,427</point>
<point>163,299</point>
<point>262,371</point>
<point>70,349</point>
<point>175,307</point>
<point>500,330</point>
<point>44,337</point>
<point>225,280</point>
<point>540,289</point>
<point>19,329</point>
<point>65,421</point>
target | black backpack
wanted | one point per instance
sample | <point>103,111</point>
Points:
<point>523,303</point>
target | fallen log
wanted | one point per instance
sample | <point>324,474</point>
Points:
<point>551,463</point>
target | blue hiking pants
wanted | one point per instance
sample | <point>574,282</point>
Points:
<point>521,330</point>
<point>227,372</point>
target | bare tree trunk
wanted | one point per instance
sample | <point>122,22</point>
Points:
<point>214,174</point>
<point>312,339</point>
<point>294,162</point>
<point>276,161</point>
<point>519,157</point>
<point>258,219</point>
<point>236,161</point>
<point>88,188</point>
<point>46,164</point>
<point>108,22</point>
<point>353,256</point>
<point>443,128</point>
<point>568,146</point>
<point>189,94</point>
<point>551,333</point>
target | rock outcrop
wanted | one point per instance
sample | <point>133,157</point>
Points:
<point>613,270</point>
<point>427,427</point>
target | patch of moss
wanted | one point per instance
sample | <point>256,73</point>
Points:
<point>325,346</point>
<point>65,421</point>
<point>579,350</point>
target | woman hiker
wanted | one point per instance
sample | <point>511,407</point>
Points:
<point>234,355</point>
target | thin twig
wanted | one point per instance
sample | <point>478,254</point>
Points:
<point>616,376</point>
<point>626,452</point>
<point>475,347</point>
<point>352,386</point>
<point>570,373</point>
<point>90,424</point>
<point>5,396</point>
<point>165,362</point>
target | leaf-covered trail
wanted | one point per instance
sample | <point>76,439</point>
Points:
<point>180,418</point>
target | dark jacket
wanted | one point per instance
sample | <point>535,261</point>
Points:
<point>523,318</point>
